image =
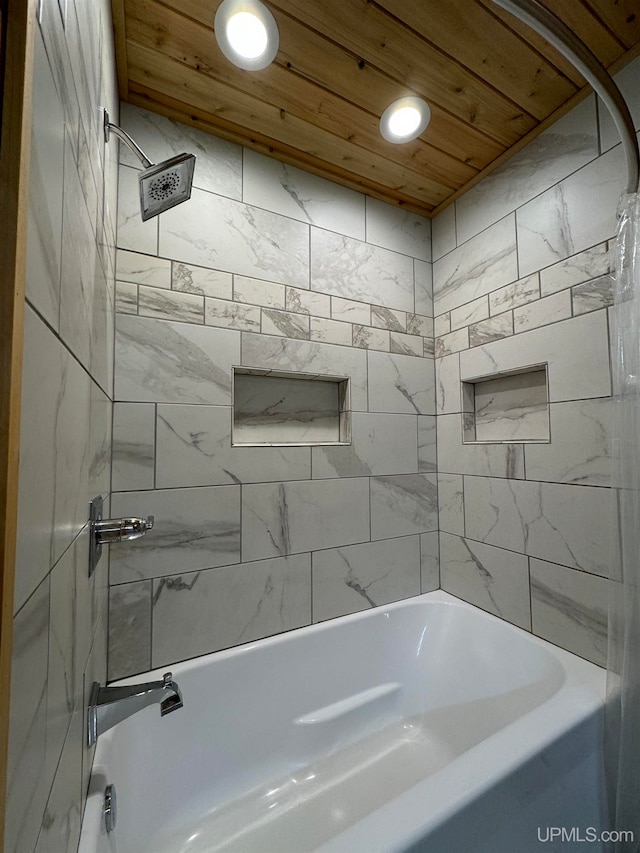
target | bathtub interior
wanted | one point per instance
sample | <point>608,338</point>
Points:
<point>295,739</point>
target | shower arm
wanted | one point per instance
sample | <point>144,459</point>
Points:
<point>128,141</point>
<point>558,34</point>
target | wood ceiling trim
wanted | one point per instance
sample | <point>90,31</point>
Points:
<point>120,39</point>
<point>202,93</point>
<point>175,109</point>
<point>391,48</point>
<point>188,42</point>
<point>467,32</point>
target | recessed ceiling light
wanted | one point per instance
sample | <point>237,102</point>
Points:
<point>405,119</point>
<point>247,33</point>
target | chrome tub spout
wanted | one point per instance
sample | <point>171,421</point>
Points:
<point>109,706</point>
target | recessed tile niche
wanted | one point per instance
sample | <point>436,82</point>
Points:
<point>273,407</point>
<point>511,407</point>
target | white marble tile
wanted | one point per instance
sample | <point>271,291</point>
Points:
<point>512,408</point>
<point>400,383</point>
<point>331,331</point>
<point>491,578</point>
<point>100,442</point>
<point>64,683</point>
<point>627,82</point>
<point>593,295</point>
<point>485,263</point>
<point>576,351</point>
<point>358,577</point>
<point>45,190</point>
<point>309,357</point>
<point>406,344</point>
<point>198,613</point>
<point>133,446</point>
<point>27,777</point>
<point>443,232</point>
<point>429,348</point>
<point>579,451</point>
<point>194,529</point>
<point>430,561</point>
<point>285,324</point>
<point>453,342</point>
<point>403,504</point>
<point>159,361</point>
<point>563,523</point>
<point>257,292</point>
<point>170,305</point>
<point>514,295</point>
<point>451,503</point>
<point>442,324</point>
<point>418,324</point>
<point>500,326</point>
<point>78,285</point>
<point>194,449</point>
<point>60,830</point>
<point>568,144</point>
<point>550,309</point>
<point>386,318</point>
<point>232,315</point>
<point>126,298</point>
<point>129,629</point>
<point>366,337</point>
<point>487,460</point>
<point>448,389</point>
<point>216,232</point>
<point>289,518</point>
<point>591,263</point>
<point>396,229</point>
<point>284,189</point>
<point>143,269</point>
<point>204,282</point>
<point>44,366</point>
<point>133,233</point>
<point>471,312</point>
<point>350,311</point>
<point>342,266</point>
<point>569,608</point>
<point>565,219</point>
<point>308,302</point>
<point>427,457</point>
<point>380,444</point>
<point>423,286</point>
<point>218,162</point>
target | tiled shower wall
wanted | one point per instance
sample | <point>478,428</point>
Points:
<point>521,278</point>
<point>60,615</point>
<point>265,267</point>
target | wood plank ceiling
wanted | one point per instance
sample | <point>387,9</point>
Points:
<point>491,82</point>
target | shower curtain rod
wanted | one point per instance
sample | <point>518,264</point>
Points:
<point>557,33</point>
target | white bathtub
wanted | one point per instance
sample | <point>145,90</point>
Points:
<point>425,725</point>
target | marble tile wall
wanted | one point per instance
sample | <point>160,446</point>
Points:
<point>60,615</point>
<point>265,268</point>
<point>521,278</point>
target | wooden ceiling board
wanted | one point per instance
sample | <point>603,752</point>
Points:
<point>188,42</point>
<point>491,82</point>
<point>467,32</point>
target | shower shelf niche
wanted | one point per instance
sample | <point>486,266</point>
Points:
<point>280,408</point>
<point>507,408</point>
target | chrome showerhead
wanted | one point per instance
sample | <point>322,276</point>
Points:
<point>162,185</point>
<point>166,184</point>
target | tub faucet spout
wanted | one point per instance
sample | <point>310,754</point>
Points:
<point>111,705</point>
